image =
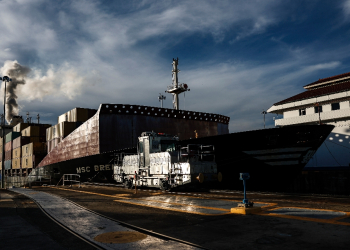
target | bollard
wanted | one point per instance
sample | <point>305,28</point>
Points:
<point>245,207</point>
<point>244,177</point>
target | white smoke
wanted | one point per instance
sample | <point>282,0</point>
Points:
<point>17,74</point>
<point>32,84</point>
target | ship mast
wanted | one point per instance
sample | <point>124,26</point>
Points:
<point>176,88</point>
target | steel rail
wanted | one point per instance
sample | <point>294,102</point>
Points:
<point>63,226</point>
<point>136,228</point>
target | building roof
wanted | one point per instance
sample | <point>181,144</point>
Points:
<point>328,79</point>
<point>318,92</point>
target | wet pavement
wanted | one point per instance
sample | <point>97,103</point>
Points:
<point>201,218</point>
<point>24,226</point>
<point>187,204</point>
<point>90,225</point>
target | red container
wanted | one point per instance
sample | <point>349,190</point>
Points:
<point>8,146</point>
<point>20,141</point>
<point>8,155</point>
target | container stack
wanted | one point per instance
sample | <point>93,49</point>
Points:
<point>67,123</point>
<point>8,149</point>
<point>36,133</point>
<point>25,147</point>
<point>32,154</point>
<point>29,143</point>
<point>77,115</point>
<point>17,152</point>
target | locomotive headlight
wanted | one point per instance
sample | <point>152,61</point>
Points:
<point>220,177</point>
<point>200,178</point>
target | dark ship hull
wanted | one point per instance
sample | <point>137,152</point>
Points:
<point>93,168</point>
<point>272,156</point>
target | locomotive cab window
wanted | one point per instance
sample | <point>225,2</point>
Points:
<point>167,146</point>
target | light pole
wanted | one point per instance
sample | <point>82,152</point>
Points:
<point>161,98</point>
<point>4,79</point>
<point>264,113</point>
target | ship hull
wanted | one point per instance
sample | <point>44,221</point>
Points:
<point>93,168</point>
<point>273,157</point>
<point>334,152</point>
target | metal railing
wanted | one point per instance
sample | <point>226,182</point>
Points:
<point>18,180</point>
<point>71,178</point>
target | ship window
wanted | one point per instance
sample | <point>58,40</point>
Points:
<point>302,112</point>
<point>26,162</point>
<point>335,106</point>
<point>318,109</point>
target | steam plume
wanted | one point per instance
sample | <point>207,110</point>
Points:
<point>17,73</point>
<point>33,84</point>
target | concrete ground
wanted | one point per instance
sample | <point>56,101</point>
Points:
<point>24,226</point>
<point>202,218</point>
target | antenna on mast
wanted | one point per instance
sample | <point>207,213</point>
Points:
<point>161,98</point>
<point>28,119</point>
<point>38,117</point>
<point>176,88</point>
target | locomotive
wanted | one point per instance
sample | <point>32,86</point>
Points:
<point>163,163</point>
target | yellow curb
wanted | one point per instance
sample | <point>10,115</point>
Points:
<point>245,210</point>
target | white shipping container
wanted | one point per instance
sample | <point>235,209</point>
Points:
<point>74,115</point>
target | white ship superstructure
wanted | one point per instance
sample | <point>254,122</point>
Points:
<point>325,101</point>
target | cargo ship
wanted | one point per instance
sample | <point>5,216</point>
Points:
<point>87,142</point>
<point>269,155</point>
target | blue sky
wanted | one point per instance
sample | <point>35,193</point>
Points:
<point>238,57</point>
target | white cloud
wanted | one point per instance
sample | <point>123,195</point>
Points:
<point>63,82</point>
<point>82,53</point>
<point>346,7</point>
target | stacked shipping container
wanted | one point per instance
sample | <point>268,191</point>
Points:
<point>77,115</point>
<point>32,154</point>
<point>67,123</point>
<point>25,147</point>
<point>29,143</point>
<point>8,148</point>
<point>17,151</point>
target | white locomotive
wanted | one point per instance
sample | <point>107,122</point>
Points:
<point>161,162</point>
